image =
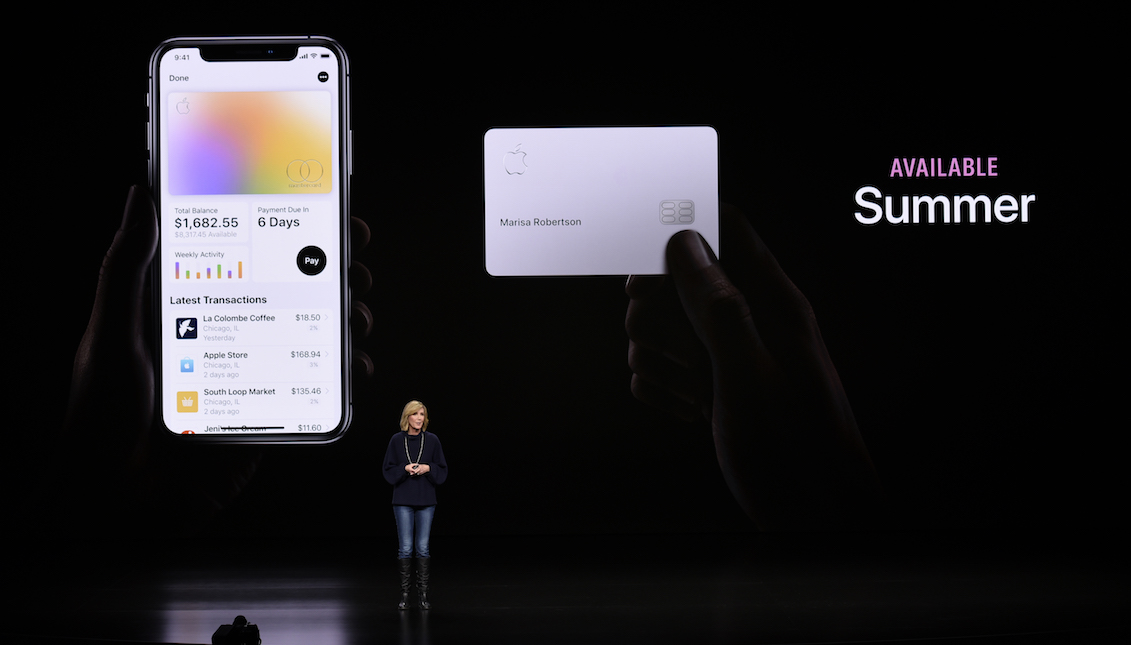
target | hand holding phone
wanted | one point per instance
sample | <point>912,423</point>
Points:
<point>250,162</point>
<point>111,455</point>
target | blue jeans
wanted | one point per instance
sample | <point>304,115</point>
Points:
<point>413,521</point>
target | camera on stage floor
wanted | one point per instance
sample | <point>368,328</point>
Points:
<point>240,632</point>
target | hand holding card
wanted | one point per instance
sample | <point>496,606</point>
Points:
<point>595,201</point>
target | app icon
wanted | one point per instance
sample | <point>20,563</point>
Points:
<point>186,364</point>
<point>186,401</point>
<point>186,328</point>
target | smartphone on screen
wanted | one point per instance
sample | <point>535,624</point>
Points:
<point>249,149</point>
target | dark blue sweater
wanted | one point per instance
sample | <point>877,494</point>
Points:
<point>415,490</point>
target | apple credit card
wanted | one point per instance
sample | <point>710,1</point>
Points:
<point>248,143</point>
<point>596,201</point>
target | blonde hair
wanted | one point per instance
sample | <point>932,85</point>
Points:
<point>410,409</point>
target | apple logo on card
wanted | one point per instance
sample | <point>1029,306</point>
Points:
<point>514,162</point>
<point>182,107</point>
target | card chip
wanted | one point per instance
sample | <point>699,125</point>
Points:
<point>677,211</point>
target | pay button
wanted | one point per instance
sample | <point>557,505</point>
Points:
<point>311,260</point>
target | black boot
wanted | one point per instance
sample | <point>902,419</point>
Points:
<point>422,581</point>
<point>406,581</point>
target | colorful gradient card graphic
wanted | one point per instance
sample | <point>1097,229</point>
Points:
<point>249,143</point>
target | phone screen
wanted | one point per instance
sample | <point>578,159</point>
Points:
<point>249,174</point>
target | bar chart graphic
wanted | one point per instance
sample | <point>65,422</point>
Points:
<point>230,267</point>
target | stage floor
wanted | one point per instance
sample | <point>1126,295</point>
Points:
<point>576,590</point>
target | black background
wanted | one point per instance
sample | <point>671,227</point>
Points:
<point>983,362</point>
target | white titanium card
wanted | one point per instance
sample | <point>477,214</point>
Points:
<point>595,201</point>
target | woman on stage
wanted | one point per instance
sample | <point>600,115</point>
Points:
<point>415,466</point>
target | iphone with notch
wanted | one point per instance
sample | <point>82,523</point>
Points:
<point>249,169</point>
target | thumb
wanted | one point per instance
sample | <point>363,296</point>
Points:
<point>122,278</point>
<point>112,358</point>
<point>718,311</point>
